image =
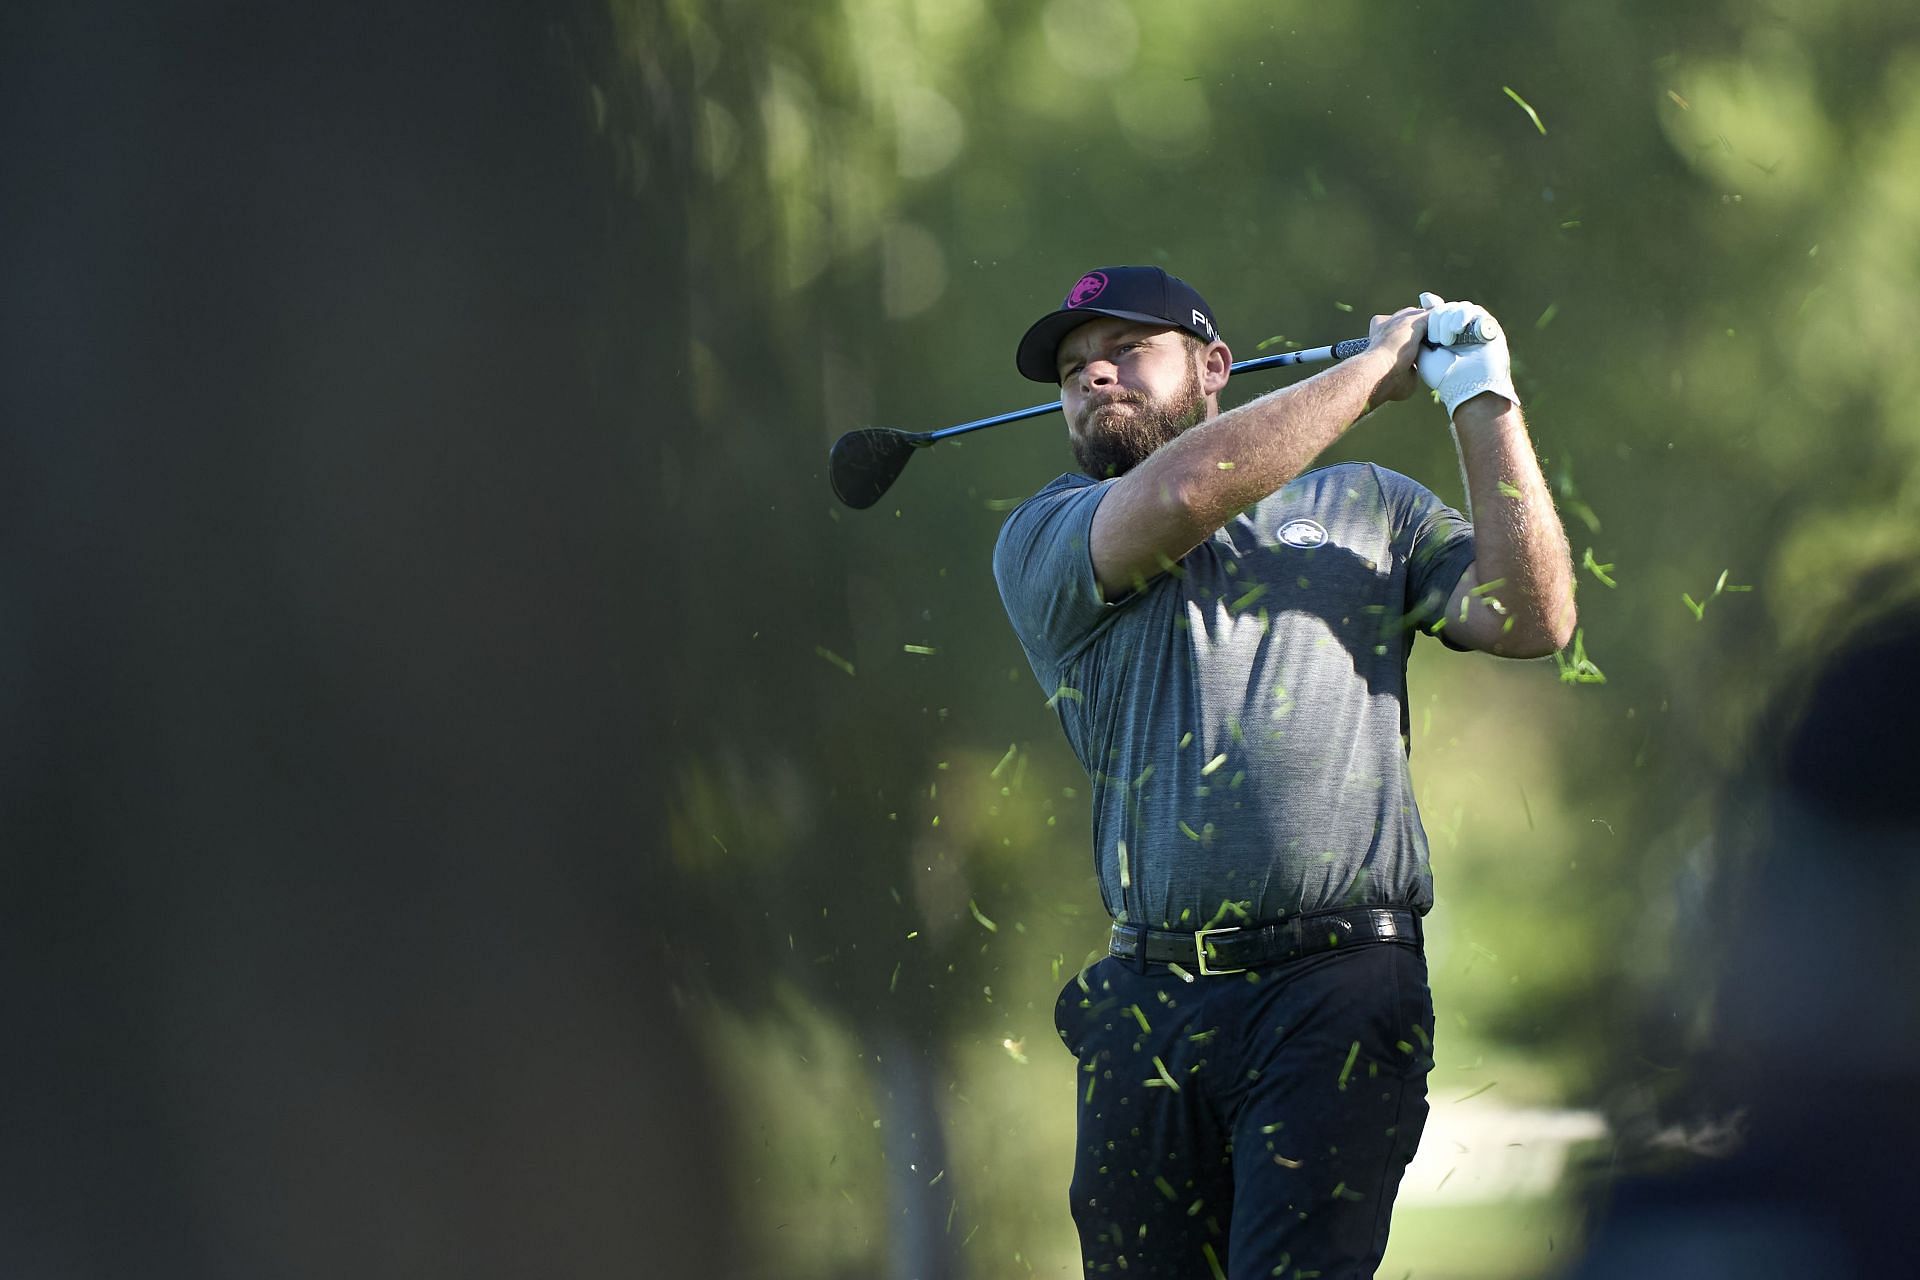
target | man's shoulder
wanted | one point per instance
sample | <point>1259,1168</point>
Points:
<point>1341,482</point>
<point>1350,481</point>
<point>1059,484</point>
<point>1052,491</point>
<point>1336,475</point>
<point>1033,522</point>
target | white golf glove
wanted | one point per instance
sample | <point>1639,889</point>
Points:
<point>1457,365</point>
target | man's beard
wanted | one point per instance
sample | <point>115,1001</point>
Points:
<point>1112,444</point>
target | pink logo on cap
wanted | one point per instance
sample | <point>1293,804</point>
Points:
<point>1090,287</point>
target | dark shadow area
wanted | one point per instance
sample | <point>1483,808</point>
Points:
<point>329,671</point>
<point>1788,1149</point>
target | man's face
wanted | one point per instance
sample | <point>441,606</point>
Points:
<point>1126,390</point>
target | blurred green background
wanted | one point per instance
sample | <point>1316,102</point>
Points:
<point>477,805</point>
<point>1698,225</point>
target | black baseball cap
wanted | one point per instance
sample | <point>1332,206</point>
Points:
<point>1145,294</point>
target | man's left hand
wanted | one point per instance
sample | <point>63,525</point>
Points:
<point>1457,366</point>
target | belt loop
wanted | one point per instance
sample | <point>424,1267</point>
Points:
<point>1139,948</point>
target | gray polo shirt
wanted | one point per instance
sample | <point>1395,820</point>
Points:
<point>1243,718</point>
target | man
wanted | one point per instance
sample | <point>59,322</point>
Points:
<point>1224,635</point>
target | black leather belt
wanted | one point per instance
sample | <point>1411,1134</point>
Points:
<point>1237,948</point>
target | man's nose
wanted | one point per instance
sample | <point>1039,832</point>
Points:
<point>1098,373</point>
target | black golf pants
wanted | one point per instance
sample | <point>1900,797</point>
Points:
<point>1246,1125</point>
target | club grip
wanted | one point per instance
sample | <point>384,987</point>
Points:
<point>1351,347</point>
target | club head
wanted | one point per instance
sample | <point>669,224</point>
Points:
<point>864,464</point>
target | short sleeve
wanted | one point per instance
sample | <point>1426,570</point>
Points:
<point>1434,541</point>
<point>1043,564</point>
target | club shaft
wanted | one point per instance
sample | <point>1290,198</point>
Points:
<point>1313,355</point>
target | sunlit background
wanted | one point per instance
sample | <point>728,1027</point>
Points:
<point>1698,227</point>
<point>504,765</point>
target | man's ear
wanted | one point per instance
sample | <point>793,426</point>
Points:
<point>1216,361</point>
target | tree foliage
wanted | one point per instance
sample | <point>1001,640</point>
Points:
<point>1697,226</point>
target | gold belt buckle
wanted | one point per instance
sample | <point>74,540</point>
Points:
<point>1200,949</point>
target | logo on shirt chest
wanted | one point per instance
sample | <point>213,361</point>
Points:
<point>1303,533</point>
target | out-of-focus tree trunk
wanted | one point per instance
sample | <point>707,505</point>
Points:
<point>926,1219</point>
<point>329,684</point>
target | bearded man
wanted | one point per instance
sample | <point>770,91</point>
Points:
<point>1224,636</point>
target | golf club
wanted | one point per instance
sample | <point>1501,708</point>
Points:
<point>863,464</point>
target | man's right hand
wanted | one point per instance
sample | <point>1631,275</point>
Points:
<point>1397,338</point>
<point>1461,369</point>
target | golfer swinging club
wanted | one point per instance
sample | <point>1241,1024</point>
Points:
<point>1225,635</point>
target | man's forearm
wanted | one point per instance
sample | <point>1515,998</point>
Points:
<point>1189,487</point>
<point>1231,462</point>
<point>1195,483</point>
<point>1520,544</point>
